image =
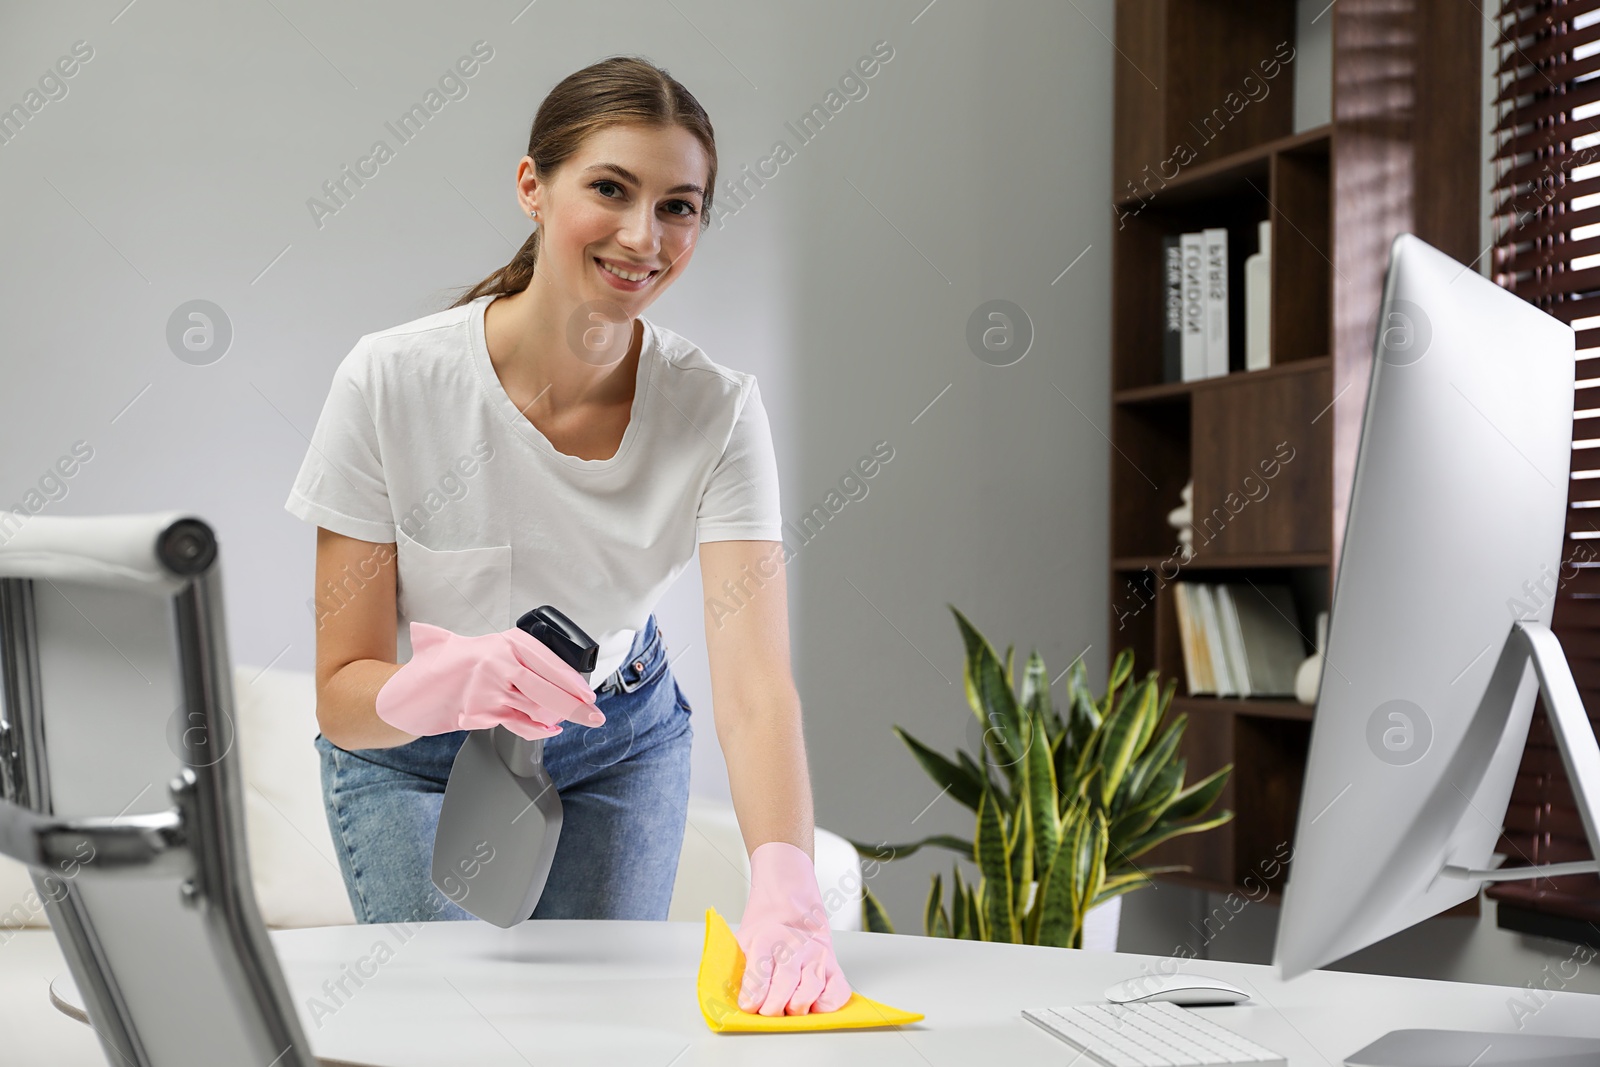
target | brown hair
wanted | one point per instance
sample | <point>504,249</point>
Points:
<point>614,91</point>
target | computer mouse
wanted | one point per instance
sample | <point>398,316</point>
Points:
<point>1185,990</point>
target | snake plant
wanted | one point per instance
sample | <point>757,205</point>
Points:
<point>1065,801</point>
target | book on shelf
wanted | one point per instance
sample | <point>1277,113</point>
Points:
<point>1202,680</point>
<point>1272,644</point>
<point>1211,627</point>
<point>1238,638</point>
<point>1258,301</point>
<point>1188,642</point>
<point>1202,310</point>
<point>1172,308</point>
<point>1193,350</point>
<point>1217,311</point>
<point>1232,640</point>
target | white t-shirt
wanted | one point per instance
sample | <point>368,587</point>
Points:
<point>418,444</point>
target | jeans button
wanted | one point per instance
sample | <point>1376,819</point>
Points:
<point>638,664</point>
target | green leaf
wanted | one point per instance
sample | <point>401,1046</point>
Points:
<point>1198,798</point>
<point>1035,698</point>
<point>874,919</point>
<point>958,904</point>
<point>934,921</point>
<point>1040,781</point>
<point>1053,903</point>
<point>1057,920</point>
<point>1166,832</point>
<point>1152,717</point>
<point>1089,757</point>
<point>900,852</point>
<point>975,927</point>
<point>1156,759</point>
<point>994,861</point>
<point>1141,817</point>
<point>963,785</point>
<point>1159,792</point>
<point>1089,847</point>
<point>1166,694</point>
<point>1121,668</point>
<point>1128,874</point>
<point>1073,810</point>
<point>1089,871</point>
<point>978,774</point>
<point>989,693</point>
<point>975,644</point>
<point>1083,714</point>
<point>1121,739</point>
<point>1020,849</point>
<point>1115,887</point>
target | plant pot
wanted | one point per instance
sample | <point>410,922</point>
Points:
<point>1100,926</point>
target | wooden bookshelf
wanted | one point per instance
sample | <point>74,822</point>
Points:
<point>1402,153</point>
<point>1169,392</point>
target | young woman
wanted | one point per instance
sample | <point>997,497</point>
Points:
<point>540,442</point>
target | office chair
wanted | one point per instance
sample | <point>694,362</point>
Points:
<point>121,787</point>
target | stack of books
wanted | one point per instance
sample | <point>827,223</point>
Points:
<point>1211,327</point>
<point>1239,639</point>
<point>1195,295</point>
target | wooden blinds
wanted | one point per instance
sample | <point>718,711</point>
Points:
<point>1547,215</point>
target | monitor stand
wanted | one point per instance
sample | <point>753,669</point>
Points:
<point>1580,756</point>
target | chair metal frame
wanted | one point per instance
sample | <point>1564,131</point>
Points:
<point>199,840</point>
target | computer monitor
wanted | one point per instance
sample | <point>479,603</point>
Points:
<point>1439,639</point>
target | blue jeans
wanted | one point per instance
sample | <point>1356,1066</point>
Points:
<point>624,789</point>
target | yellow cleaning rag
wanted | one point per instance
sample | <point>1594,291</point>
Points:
<point>722,969</point>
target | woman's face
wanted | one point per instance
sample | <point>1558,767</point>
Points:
<point>631,197</point>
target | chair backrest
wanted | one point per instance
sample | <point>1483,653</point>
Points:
<point>122,787</point>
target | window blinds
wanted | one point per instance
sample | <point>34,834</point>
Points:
<point>1546,208</point>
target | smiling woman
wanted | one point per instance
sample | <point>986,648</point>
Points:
<point>619,449</point>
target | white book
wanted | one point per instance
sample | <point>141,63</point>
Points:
<point>1194,306</point>
<point>1216,302</point>
<point>1208,676</point>
<point>1233,640</point>
<point>1258,302</point>
<point>1187,639</point>
<point>1212,627</point>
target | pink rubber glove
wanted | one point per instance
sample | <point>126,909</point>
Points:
<point>509,679</point>
<point>789,968</point>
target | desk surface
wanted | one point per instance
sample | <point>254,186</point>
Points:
<point>576,992</point>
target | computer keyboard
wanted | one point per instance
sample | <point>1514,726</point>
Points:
<point>1150,1035</point>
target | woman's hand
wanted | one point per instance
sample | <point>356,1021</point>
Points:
<point>509,679</point>
<point>789,967</point>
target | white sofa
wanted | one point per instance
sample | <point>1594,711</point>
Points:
<point>296,874</point>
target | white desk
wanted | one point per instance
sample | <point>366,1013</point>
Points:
<point>575,992</point>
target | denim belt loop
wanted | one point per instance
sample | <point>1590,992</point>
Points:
<point>632,674</point>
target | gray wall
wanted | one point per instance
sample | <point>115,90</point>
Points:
<point>982,175</point>
<point>178,165</point>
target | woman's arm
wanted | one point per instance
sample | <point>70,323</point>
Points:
<point>754,702</point>
<point>355,624</point>
<point>784,933</point>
